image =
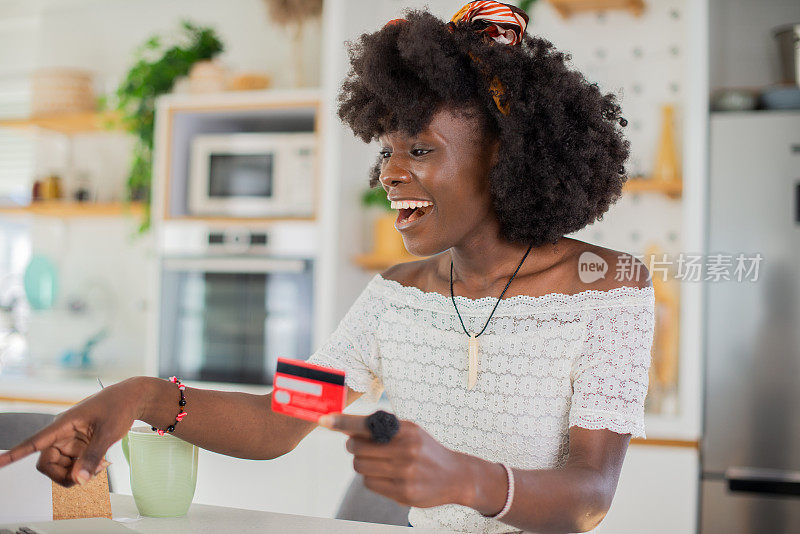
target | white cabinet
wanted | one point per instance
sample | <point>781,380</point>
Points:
<point>657,492</point>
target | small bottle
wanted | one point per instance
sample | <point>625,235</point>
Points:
<point>51,187</point>
<point>83,192</point>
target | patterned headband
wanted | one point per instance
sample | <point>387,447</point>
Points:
<point>503,23</point>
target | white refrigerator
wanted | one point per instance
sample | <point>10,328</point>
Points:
<point>750,475</point>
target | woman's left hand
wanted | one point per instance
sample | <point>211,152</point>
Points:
<point>413,468</point>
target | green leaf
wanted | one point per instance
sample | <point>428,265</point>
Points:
<point>143,83</point>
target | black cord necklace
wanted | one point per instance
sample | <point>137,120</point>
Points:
<point>472,345</point>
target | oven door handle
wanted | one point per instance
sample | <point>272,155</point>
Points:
<point>235,265</point>
<point>753,480</point>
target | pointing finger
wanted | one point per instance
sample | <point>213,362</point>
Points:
<point>38,442</point>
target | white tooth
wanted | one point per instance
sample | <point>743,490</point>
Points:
<point>406,204</point>
<point>415,204</point>
<point>394,204</point>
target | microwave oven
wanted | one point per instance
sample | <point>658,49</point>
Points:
<point>252,175</point>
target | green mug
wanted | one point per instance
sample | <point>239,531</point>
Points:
<point>163,472</point>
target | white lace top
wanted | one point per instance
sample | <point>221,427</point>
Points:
<point>545,364</point>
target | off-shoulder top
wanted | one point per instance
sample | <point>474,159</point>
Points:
<point>546,363</point>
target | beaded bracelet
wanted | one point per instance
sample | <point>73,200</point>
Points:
<point>181,407</point>
<point>509,497</point>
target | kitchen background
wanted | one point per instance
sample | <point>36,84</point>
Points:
<point>86,291</point>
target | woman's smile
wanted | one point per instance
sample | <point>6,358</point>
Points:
<point>411,213</point>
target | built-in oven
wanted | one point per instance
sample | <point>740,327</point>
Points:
<point>231,307</point>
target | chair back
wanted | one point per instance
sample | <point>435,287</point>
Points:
<point>15,426</point>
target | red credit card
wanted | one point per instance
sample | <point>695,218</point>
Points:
<point>306,390</point>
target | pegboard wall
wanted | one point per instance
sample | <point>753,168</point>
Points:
<point>643,61</point>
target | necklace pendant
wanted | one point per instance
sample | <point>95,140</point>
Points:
<point>472,377</point>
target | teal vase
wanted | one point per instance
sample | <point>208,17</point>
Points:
<point>41,282</point>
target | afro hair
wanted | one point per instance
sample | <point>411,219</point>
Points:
<point>561,152</point>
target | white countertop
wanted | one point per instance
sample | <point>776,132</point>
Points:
<point>204,519</point>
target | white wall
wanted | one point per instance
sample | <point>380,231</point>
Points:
<point>102,35</point>
<point>643,60</point>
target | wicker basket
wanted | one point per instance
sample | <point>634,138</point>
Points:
<point>59,91</point>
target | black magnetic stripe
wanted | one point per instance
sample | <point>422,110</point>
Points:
<point>311,374</point>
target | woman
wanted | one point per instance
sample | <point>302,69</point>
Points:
<point>516,412</point>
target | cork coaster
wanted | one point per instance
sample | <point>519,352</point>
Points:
<point>79,502</point>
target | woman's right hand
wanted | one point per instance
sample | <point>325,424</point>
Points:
<point>74,445</point>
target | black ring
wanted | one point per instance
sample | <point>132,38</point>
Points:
<point>382,426</point>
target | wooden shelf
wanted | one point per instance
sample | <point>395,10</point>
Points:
<point>70,209</point>
<point>645,185</point>
<point>70,123</point>
<point>690,444</point>
<point>567,8</point>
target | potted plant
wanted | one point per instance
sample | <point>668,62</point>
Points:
<point>157,66</point>
<point>387,241</point>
